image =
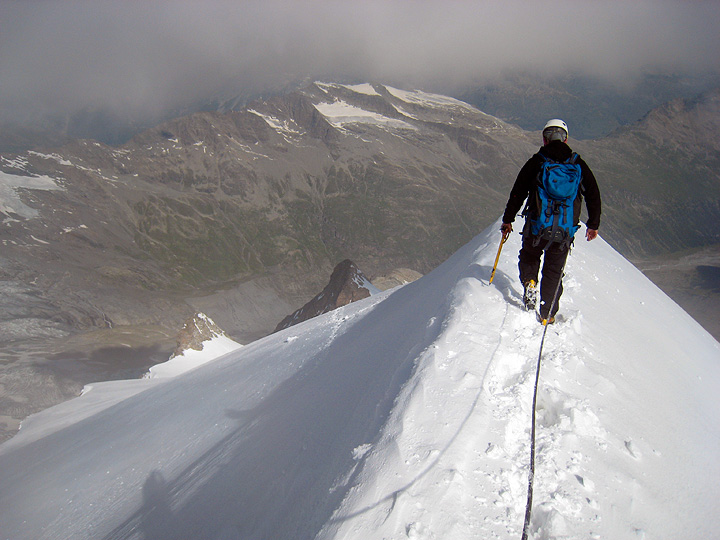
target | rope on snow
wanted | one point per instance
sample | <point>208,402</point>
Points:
<point>531,474</point>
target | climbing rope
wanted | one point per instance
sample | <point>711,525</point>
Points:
<point>531,474</point>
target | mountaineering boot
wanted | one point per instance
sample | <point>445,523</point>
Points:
<point>545,319</point>
<point>530,295</point>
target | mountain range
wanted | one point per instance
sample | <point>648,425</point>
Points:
<point>593,105</point>
<point>244,214</point>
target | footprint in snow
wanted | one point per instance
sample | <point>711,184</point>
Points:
<point>416,531</point>
<point>493,451</point>
<point>632,449</point>
<point>585,482</point>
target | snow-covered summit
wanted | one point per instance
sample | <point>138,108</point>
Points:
<point>392,108</point>
<point>406,415</point>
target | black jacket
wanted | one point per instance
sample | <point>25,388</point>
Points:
<point>527,180</point>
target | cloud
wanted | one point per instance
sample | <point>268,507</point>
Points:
<point>140,57</point>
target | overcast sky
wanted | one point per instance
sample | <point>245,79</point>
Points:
<point>140,56</point>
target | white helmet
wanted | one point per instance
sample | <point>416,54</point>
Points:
<point>552,130</point>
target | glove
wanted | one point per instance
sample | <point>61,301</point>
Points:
<point>506,228</point>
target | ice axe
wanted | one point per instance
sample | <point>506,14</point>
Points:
<point>504,238</point>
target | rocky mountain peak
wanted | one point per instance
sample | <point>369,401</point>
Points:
<point>687,125</point>
<point>196,330</point>
<point>347,284</point>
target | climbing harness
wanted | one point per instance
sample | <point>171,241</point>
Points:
<point>504,238</point>
<point>531,474</point>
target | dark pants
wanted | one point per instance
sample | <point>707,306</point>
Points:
<point>553,265</point>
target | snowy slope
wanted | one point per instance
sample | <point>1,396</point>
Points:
<point>405,415</point>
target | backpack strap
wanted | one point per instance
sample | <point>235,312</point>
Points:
<point>533,192</point>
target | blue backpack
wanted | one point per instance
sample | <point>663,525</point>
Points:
<point>557,187</point>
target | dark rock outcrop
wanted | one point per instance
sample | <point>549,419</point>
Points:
<point>347,284</point>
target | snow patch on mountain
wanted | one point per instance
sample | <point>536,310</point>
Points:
<point>364,283</point>
<point>61,160</point>
<point>339,113</point>
<point>418,97</point>
<point>363,88</point>
<point>286,128</point>
<point>10,201</point>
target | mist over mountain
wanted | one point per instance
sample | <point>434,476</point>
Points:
<point>243,215</point>
<point>105,71</point>
<point>592,106</point>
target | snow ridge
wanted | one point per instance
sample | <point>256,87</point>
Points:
<point>461,443</point>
